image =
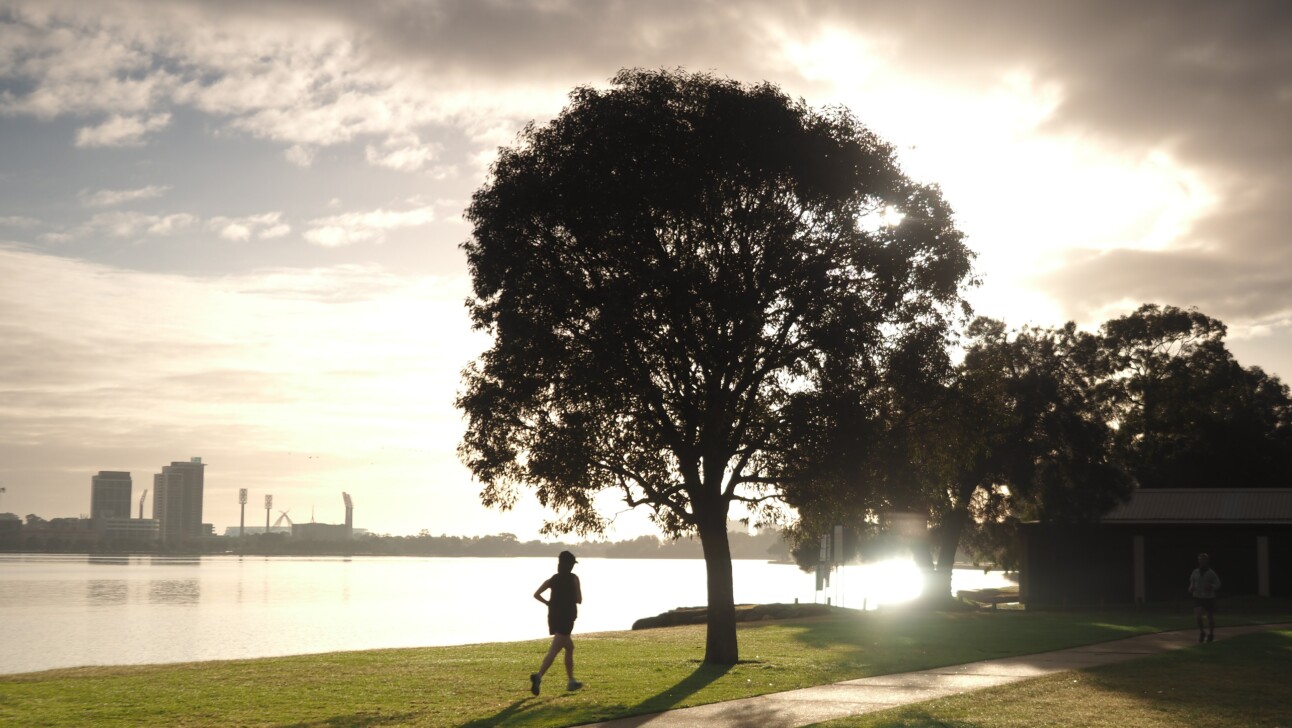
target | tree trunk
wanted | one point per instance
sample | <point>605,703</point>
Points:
<point>922,555</point>
<point>720,644</point>
<point>939,585</point>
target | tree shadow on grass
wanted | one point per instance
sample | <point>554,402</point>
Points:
<point>501,717</point>
<point>528,711</point>
<point>963,636</point>
<point>703,676</point>
<point>359,720</point>
<point>1245,678</point>
<point>862,644</point>
<point>1236,681</point>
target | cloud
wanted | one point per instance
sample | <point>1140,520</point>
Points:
<point>300,155</point>
<point>1206,86</point>
<point>365,227</point>
<point>1098,285</point>
<point>18,221</point>
<point>309,77</point>
<point>132,223</point>
<point>121,131</point>
<point>76,60</point>
<point>124,224</point>
<point>404,153</point>
<point>265,226</point>
<point>1203,85</point>
<point>112,198</point>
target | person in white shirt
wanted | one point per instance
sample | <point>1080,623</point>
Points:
<point>1203,583</point>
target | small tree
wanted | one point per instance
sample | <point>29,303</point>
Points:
<point>668,270</point>
<point>1012,432</point>
<point>1034,442</point>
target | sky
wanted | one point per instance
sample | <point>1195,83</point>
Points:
<point>231,229</point>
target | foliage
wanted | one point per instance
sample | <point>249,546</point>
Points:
<point>674,272</point>
<point>1045,451</point>
<point>1052,425</point>
<point>1012,432</point>
<point>1189,416</point>
<point>1029,442</point>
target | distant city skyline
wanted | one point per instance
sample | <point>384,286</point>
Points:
<point>232,228</point>
<point>112,496</point>
<point>182,483</point>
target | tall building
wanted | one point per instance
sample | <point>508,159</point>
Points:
<point>110,495</point>
<point>177,500</point>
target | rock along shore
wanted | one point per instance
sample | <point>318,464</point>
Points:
<point>744,613</point>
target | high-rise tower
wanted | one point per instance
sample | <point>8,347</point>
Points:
<point>110,495</point>
<point>177,500</point>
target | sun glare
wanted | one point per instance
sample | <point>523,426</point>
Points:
<point>831,52</point>
<point>893,216</point>
<point>893,581</point>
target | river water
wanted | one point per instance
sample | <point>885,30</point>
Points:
<point>61,610</point>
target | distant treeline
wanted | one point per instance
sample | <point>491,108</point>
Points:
<point>58,537</point>
<point>767,545</point>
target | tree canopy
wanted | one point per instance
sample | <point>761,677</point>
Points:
<point>1011,432</point>
<point>1188,414</point>
<point>674,272</point>
<point>1047,424</point>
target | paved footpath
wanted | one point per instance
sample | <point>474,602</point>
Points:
<point>871,694</point>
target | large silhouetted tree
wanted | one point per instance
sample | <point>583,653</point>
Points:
<point>667,270</point>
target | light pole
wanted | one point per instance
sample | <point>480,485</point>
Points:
<point>242,519</point>
<point>269,503</point>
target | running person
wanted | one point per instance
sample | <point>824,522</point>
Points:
<point>562,609</point>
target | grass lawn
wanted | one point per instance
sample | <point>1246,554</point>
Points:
<point>1243,682</point>
<point>487,685</point>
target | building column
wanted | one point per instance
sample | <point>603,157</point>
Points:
<point>1139,569</point>
<point>1263,565</point>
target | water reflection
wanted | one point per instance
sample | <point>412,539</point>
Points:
<point>104,592</point>
<point>174,591</point>
<point>174,560</point>
<point>167,609</point>
<point>110,560</point>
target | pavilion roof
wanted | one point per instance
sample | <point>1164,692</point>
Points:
<point>1204,505</point>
